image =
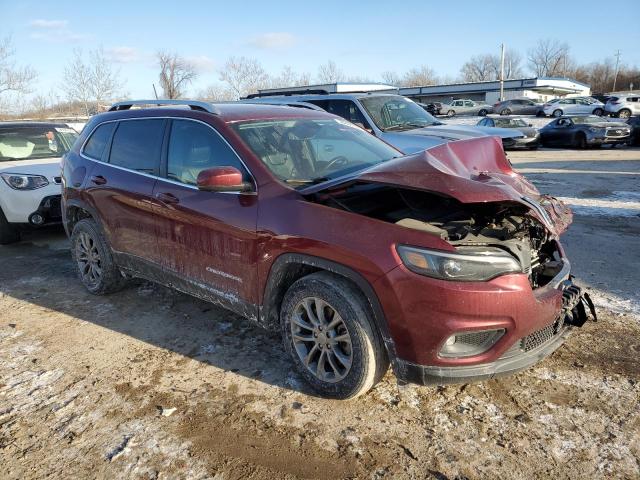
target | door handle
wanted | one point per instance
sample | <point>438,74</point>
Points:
<point>167,198</point>
<point>98,180</point>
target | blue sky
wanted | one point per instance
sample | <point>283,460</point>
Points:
<point>363,38</point>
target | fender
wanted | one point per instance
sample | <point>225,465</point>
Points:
<point>281,271</point>
<point>75,202</point>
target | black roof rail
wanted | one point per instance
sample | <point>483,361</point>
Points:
<point>193,104</point>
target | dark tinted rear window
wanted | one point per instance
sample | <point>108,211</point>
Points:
<point>98,141</point>
<point>137,145</point>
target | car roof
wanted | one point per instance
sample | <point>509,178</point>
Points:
<point>322,96</point>
<point>227,112</point>
<point>15,124</point>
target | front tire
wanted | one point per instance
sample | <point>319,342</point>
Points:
<point>599,112</point>
<point>506,111</point>
<point>8,233</point>
<point>624,113</point>
<point>450,113</point>
<point>482,113</point>
<point>329,332</point>
<point>581,141</point>
<point>557,113</point>
<point>94,262</point>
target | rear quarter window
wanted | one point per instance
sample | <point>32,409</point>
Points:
<point>95,146</point>
<point>137,144</point>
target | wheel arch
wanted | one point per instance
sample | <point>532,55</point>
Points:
<point>76,210</point>
<point>289,267</point>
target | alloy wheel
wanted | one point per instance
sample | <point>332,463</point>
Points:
<point>88,258</point>
<point>321,339</point>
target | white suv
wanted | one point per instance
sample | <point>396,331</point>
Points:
<point>623,106</point>
<point>30,189</point>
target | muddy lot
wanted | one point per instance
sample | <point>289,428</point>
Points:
<point>148,383</point>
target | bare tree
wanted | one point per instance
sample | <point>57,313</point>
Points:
<point>550,58</point>
<point>419,76</point>
<point>479,68</point>
<point>486,67</point>
<point>243,76</point>
<point>78,81</point>
<point>90,81</point>
<point>106,82</point>
<point>512,64</point>
<point>289,78</point>
<point>175,74</point>
<point>216,93</point>
<point>330,73</point>
<point>12,77</point>
<point>391,78</point>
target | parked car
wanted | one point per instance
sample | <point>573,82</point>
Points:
<point>623,106</point>
<point>311,227</point>
<point>518,106</point>
<point>30,169</point>
<point>602,98</point>
<point>584,131</point>
<point>531,137</point>
<point>573,106</point>
<point>432,108</point>
<point>634,123</point>
<point>395,119</point>
<point>465,107</point>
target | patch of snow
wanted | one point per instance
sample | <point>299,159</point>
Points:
<point>620,206</point>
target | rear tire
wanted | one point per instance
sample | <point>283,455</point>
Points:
<point>506,111</point>
<point>599,112</point>
<point>8,233</point>
<point>450,113</point>
<point>557,113</point>
<point>482,113</point>
<point>94,262</point>
<point>329,332</point>
<point>624,113</point>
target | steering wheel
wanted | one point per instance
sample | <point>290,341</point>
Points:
<point>336,161</point>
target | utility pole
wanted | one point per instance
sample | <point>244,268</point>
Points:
<point>502,72</point>
<point>615,76</point>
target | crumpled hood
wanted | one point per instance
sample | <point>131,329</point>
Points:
<point>463,132</point>
<point>471,171</point>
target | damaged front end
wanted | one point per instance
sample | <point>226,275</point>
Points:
<point>485,225</point>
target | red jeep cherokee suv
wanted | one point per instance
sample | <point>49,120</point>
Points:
<point>446,263</point>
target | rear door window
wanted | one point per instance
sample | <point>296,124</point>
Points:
<point>137,145</point>
<point>95,146</point>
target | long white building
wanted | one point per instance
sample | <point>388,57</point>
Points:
<point>536,88</point>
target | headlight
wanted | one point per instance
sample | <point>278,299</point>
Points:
<point>596,129</point>
<point>466,265</point>
<point>19,181</point>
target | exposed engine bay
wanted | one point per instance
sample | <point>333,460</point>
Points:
<point>508,226</point>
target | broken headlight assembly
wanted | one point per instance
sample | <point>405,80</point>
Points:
<point>19,181</point>
<point>467,264</point>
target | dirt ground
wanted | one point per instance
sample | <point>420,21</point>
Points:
<point>148,383</point>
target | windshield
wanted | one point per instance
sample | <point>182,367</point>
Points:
<point>509,122</point>
<point>304,151</point>
<point>397,113</point>
<point>30,143</point>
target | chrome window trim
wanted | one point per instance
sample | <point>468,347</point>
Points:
<point>193,187</point>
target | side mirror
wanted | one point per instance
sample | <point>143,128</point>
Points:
<point>222,179</point>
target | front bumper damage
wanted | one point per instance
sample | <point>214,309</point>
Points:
<point>525,352</point>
